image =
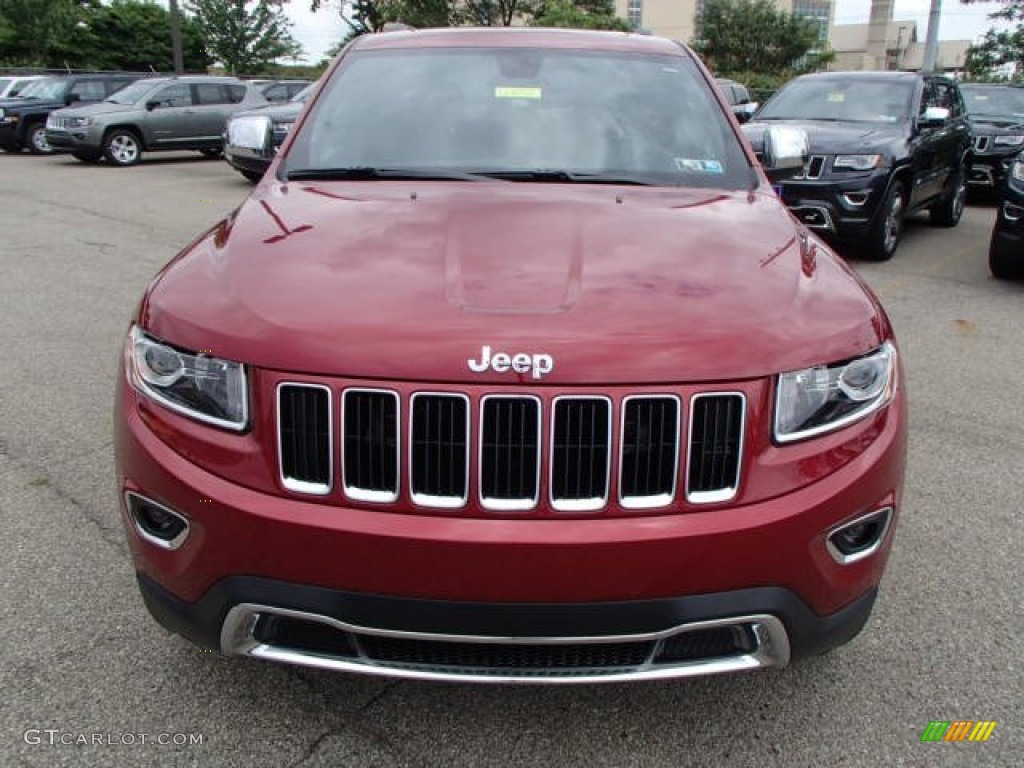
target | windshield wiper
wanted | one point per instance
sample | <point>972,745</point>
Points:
<point>565,177</point>
<point>370,173</point>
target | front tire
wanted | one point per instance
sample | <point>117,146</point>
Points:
<point>122,148</point>
<point>37,143</point>
<point>947,212</point>
<point>252,176</point>
<point>885,235</point>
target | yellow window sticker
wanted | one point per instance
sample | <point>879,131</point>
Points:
<point>838,97</point>
<point>518,92</point>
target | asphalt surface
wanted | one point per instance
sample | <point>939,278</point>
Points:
<point>80,656</point>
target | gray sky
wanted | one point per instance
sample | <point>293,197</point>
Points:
<point>319,31</point>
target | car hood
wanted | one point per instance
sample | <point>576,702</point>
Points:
<point>287,111</point>
<point>994,125</point>
<point>97,108</point>
<point>393,280</point>
<point>18,103</point>
<point>830,138</point>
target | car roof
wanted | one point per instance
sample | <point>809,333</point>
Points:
<point>197,79</point>
<point>863,75</point>
<point>519,37</point>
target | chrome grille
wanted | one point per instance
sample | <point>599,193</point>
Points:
<point>509,452</point>
<point>370,428</point>
<point>439,450</point>
<point>649,451</point>
<point>580,453</point>
<point>304,437</point>
<point>492,447</point>
<point>716,440</point>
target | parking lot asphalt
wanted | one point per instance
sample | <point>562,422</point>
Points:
<point>82,660</point>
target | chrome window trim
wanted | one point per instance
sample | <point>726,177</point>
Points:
<point>509,505</point>
<point>661,500</point>
<point>842,559</point>
<point>302,486</point>
<point>441,502</point>
<point>363,494</point>
<point>237,638</point>
<point>724,494</point>
<point>579,505</point>
<point>168,544</point>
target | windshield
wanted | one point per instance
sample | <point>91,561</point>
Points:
<point>870,101</point>
<point>302,95</point>
<point>525,113</point>
<point>999,101</point>
<point>49,88</point>
<point>132,94</point>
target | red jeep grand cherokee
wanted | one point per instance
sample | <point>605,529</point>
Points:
<point>512,368</point>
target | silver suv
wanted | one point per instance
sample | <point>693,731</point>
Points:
<point>155,114</point>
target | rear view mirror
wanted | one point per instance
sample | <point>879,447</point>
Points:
<point>785,148</point>
<point>745,111</point>
<point>73,97</point>
<point>250,132</point>
<point>151,105</point>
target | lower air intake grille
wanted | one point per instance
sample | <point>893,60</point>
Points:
<point>510,452</point>
<point>716,437</point>
<point>304,437</point>
<point>505,656</point>
<point>371,444</point>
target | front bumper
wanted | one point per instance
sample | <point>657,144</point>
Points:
<point>75,139</point>
<point>9,133</point>
<point>838,209</point>
<point>753,569</point>
<point>247,160</point>
<point>989,171</point>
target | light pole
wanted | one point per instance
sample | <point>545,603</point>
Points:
<point>179,59</point>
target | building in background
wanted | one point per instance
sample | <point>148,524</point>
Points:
<point>898,48</point>
<point>677,19</point>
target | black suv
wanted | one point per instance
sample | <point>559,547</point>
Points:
<point>882,145</point>
<point>997,120</point>
<point>23,120</point>
<point>1006,248</point>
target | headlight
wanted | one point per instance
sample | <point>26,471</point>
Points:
<point>79,122</point>
<point>822,399</point>
<point>1,114</point>
<point>283,127</point>
<point>857,162</point>
<point>201,387</point>
<point>1008,141</point>
<point>1018,170</point>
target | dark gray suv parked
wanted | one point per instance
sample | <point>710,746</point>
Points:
<point>162,113</point>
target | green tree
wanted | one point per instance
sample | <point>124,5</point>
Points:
<point>752,35</point>
<point>1000,49</point>
<point>135,35</point>
<point>38,32</point>
<point>246,36</point>
<point>578,14</point>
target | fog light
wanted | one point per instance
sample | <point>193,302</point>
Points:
<point>856,199</point>
<point>859,538</point>
<point>156,523</point>
<point>1012,212</point>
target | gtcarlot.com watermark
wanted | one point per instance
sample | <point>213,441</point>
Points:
<point>57,737</point>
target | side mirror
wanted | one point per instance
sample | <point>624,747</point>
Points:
<point>151,105</point>
<point>73,97</point>
<point>934,116</point>
<point>253,132</point>
<point>786,150</point>
<point>745,111</point>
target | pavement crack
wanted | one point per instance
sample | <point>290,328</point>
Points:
<point>311,749</point>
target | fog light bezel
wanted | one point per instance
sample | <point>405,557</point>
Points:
<point>132,501</point>
<point>887,512</point>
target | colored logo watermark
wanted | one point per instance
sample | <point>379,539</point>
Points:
<point>958,730</point>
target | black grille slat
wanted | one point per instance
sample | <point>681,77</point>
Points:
<point>716,434</point>
<point>580,448</point>
<point>710,643</point>
<point>510,452</point>
<point>439,452</point>
<point>305,437</point>
<point>650,439</point>
<point>371,444</point>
